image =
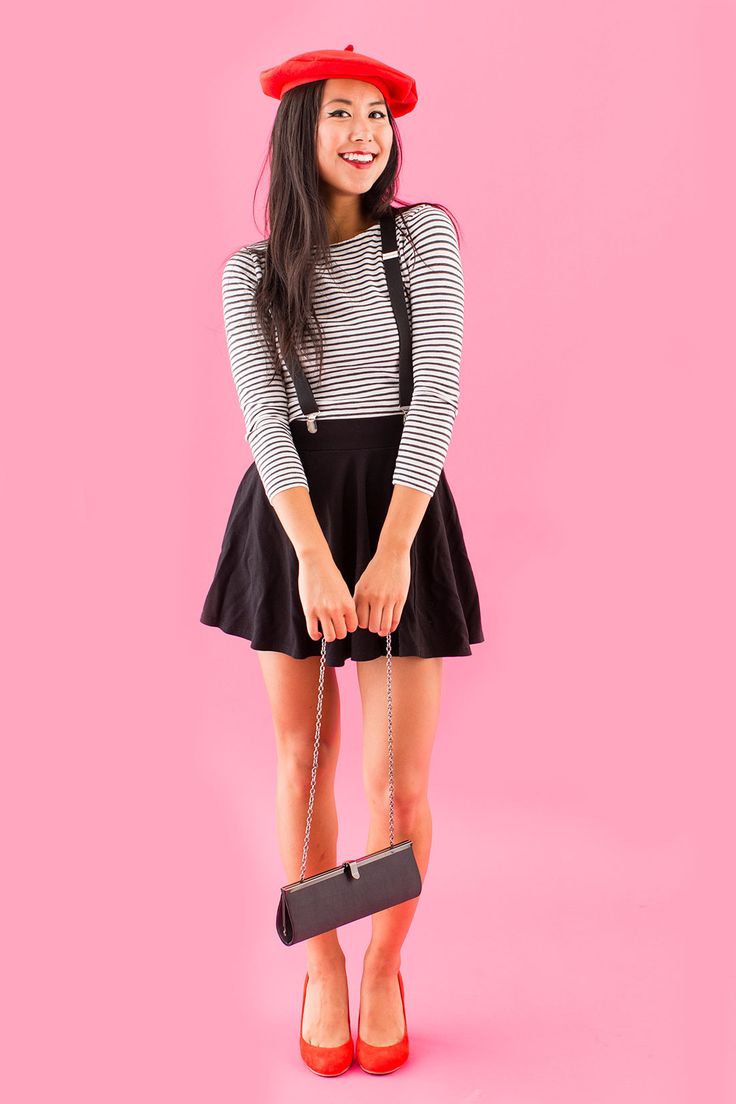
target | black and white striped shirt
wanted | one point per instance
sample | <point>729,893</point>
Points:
<point>360,374</point>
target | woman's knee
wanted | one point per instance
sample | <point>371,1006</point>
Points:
<point>410,792</point>
<point>295,755</point>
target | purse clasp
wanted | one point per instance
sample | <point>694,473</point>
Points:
<point>351,868</point>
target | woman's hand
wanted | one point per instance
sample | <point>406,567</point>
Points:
<point>381,590</point>
<point>325,597</point>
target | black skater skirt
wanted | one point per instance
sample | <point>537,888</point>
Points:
<point>349,465</point>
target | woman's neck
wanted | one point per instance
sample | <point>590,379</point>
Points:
<point>346,223</point>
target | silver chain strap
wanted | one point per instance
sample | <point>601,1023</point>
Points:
<point>320,696</point>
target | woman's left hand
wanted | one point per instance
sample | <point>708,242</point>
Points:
<point>380,593</point>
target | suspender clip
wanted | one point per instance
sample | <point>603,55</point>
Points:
<point>406,411</point>
<point>312,422</point>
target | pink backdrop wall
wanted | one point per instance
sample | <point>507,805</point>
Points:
<point>573,939</point>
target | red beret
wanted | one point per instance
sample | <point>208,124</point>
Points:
<point>398,88</point>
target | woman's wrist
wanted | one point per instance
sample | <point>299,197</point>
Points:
<point>314,553</point>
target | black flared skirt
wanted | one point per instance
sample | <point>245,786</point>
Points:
<point>349,465</point>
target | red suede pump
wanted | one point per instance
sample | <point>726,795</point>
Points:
<point>324,1060</point>
<point>383,1059</point>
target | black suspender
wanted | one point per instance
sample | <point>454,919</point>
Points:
<point>392,270</point>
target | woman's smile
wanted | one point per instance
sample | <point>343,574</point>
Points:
<point>359,159</point>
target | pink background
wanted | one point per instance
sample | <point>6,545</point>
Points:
<point>574,938</point>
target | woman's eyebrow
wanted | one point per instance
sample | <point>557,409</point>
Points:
<point>340,99</point>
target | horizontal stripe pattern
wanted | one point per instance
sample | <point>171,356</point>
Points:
<point>360,372</point>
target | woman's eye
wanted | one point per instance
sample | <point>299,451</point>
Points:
<point>341,110</point>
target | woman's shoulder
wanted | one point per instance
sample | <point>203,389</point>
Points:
<point>426,216</point>
<point>427,226</point>
<point>428,234</point>
<point>246,263</point>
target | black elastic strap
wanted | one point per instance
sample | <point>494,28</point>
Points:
<point>392,268</point>
<point>303,390</point>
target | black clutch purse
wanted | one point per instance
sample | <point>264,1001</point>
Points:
<point>357,887</point>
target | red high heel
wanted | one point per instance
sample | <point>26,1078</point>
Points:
<point>324,1060</point>
<point>383,1059</point>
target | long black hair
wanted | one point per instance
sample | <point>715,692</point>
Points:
<point>297,224</point>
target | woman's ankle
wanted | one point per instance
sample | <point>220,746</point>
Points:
<point>379,962</point>
<point>326,963</point>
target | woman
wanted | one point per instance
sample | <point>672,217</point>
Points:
<point>344,525</point>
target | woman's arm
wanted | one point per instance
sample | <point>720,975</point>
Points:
<point>262,393</point>
<point>436,294</point>
<point>323,592</point>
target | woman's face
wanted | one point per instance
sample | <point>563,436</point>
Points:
<point>352,118</point>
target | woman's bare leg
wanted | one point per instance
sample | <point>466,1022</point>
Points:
<point>416,687</point>
<point>291,685</point>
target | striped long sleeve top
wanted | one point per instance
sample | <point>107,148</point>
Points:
<point>360,374</point>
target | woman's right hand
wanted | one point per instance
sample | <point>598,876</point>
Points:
<point>325,598</point>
